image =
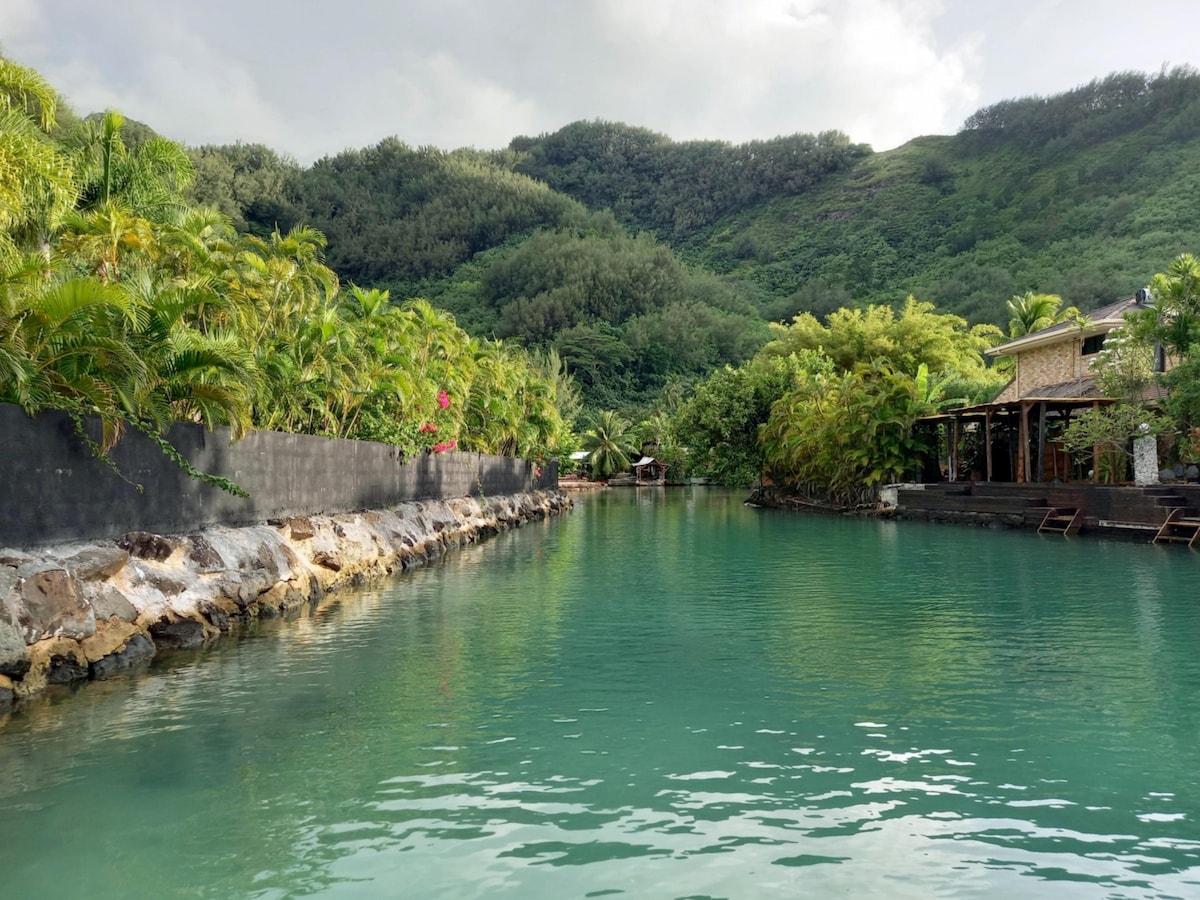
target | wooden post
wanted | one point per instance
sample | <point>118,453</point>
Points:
<point>987,440</point>
<point>1023,447</point>
<point>954,452</point>
<point>1095,454</point>
<point>1041,456</point>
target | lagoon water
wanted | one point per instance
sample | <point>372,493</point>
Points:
<point>662,694</point>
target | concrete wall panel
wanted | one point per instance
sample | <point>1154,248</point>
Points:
<point>52,488</point>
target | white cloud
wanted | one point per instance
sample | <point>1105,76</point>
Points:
<point>312,80</point>
<point>762,67</point>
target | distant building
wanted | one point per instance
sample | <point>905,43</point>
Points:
<point>650,471</point>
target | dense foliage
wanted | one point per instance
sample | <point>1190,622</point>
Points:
<point>633,263</point>
<point>676,189</point>
<point>1082,196</point>
<point>828,408</point>
<point>119,299</point>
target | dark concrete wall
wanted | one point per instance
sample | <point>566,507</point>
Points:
<point>52,488</point>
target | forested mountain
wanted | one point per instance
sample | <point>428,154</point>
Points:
<point>506,254</point>
<point>641,259</point>
<point>1086,194</point>
<point>676,189</point>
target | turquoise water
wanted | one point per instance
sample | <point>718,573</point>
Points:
<point>662,694</point>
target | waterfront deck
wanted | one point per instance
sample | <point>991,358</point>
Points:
<point>1113,509</point>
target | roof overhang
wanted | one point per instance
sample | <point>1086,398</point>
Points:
<point>1054,335</point>
<point>1099,321</point>
<point>1012,407</point>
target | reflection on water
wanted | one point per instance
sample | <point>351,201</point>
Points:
<point>664,694</point>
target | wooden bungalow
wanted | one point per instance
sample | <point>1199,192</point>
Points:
<point>1010,467</point>
<point>1014,437</point>
<point>580,465</point>
<point>650,471</point>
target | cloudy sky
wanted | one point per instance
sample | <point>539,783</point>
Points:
<point>311,78</point>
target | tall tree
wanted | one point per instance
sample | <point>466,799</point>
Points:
<point>608,444</point>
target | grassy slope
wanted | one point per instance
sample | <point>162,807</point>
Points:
<point>968,230</point>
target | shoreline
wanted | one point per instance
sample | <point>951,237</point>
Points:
<point>83,611</point>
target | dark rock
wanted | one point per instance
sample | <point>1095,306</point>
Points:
<point>144,545</point>
<point>137,649</point>
<point>96,563</point>
<point>253,584</point>
<point>107,602</point>
<point>204,554</point>
<point>327,560</point>
<point>301,528</point>
<point>179,634</point>
<point>14,654</point>
<point>215,614</point>
<point>50,604</point>
<point>65,670</point>
<point>169,586</point>
<point>7,698</point>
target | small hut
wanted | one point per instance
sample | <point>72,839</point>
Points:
<point>580,465</point>
<point>650,471</point>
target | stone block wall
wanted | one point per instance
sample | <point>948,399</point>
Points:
<point>1050,365</point>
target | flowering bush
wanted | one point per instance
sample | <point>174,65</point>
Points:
<point>416,432</point>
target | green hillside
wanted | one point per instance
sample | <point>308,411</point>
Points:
<point>1085,194</point>
<point>642,259</point>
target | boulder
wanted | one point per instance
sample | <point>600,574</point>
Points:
<point>107,602</point>
<point>144,545</point>
<point>215,614</point>
<point>49,604</point>
<point>137,649</point>
<point>67,668</point>
<point>178,634</point>
<point>14,654</point>
<point>96,563</point>
<point>301,528</point>
<point>165,584</point>
<point>14,558</point>
<point>8,581</point>
<point>204,555</point>
<point>327,560</point>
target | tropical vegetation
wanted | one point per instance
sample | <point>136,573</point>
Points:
<point>750,307</point>
<point>121,299</point>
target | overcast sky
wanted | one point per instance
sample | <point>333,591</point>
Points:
<point>311,78</point>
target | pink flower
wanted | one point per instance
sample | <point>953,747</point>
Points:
<point>428,428</point>
<point>443,399</point>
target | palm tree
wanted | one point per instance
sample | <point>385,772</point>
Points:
<point>607,443</point>
<point>37,182</point>
<point>1174,318</point>
<point>149,178</point>
<point>1030,312</point>
<point>103,237</point>
<point>65,346</point>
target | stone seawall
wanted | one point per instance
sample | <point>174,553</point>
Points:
<point>82,611</point>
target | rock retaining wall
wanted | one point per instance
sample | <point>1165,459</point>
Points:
<point>74,612</point>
